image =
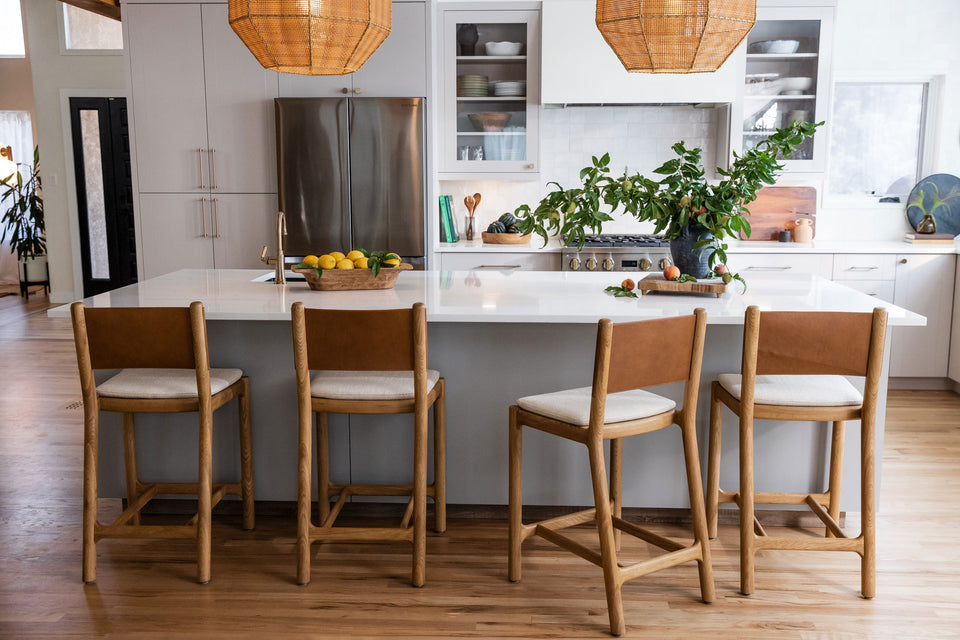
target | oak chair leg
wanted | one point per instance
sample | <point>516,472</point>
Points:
<point>713,462</point>
<point>697,510</point>
<point>303,496</point>
<point>747,535</point>
<point>246,456</point>
<point>440,459</point>
<point>90,444</point>
<point>616,484</point>
<point>868,506</point>
<point>608,554</point>
<point>323,465</point>
<point>516,494</point>
<point>420,496</point>
<point>130,460</point>
<point>836,472</point>
<point>204,498</point>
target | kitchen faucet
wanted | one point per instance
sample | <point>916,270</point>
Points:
<point>279,278</point>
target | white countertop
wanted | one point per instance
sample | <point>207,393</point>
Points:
<point>469,296</point>
<point>535,245</point>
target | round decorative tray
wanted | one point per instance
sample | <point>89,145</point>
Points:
<point>352,279</point>
<point>505,238</point>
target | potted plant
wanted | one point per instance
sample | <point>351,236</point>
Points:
<point>22,199</point>
<point>693,214</point>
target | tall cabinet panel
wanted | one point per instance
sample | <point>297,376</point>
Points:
<point>176,228</point>
<point>169,101</point>
<point>242,224</point>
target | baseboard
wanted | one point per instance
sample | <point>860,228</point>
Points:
<point>383,510</point>
<point>922,384</point>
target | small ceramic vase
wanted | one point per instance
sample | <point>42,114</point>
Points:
<point>803,232</point>
<point>927,225</point>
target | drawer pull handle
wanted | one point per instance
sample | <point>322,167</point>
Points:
<point>500,266</point>
<point>768,268</point>
<point>862,268</point>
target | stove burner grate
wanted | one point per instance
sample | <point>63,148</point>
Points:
<point>623,240</point>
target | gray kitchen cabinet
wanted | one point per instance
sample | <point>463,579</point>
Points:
<point>398,68</point>
<point>186,230</point>
<point>202,105</point>
<point>925,285</point>
<point>954,370</point>
<point>500,261</point>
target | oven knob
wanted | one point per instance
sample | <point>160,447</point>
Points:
<point>664,263</point>
<point>591,264</point>
<point>645,264</point>
<point>574,264</point>
<point>607,264</point>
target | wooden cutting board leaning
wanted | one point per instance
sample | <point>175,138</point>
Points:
<point>777,209</point>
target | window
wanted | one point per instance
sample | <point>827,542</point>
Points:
<point>11,30</point>
<point>85,31</point>
<point>876,139</point>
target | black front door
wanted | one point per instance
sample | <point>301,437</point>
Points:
<point>101,158</point>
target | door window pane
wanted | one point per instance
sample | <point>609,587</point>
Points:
<point>91,31</point>
<point>93,179</point>
<point>11,29</point>
<point>875,139</point>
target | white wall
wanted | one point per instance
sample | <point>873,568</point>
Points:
<point>53,72</point>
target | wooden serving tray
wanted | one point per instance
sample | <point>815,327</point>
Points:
<point>658,283</point>
<point>505,238</point>
<point>353,279</point>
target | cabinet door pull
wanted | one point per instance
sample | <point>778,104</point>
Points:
<point>862,268</point>
<point>216,218</point>
<point>213,169</point>
<point>903,261</point>
<point>753,268</point>
<point>200,166</point>
<point>357,91</point>
<point>500,266</point>
<point>203,218</point>
<point>344,90</point>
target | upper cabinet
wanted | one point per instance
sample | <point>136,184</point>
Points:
<point>398,68</point>
<point>490,93</point>
<point>580,68</point>
<point>787,78</point>
<point>202,105</point>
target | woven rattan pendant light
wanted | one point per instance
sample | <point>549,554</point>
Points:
<point>311,37</point>
<point>674,36</point>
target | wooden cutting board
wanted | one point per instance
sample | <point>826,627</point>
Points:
<point>776,209</point>
<point>656,282</point>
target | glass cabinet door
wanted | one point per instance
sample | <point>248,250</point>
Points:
<point>491,92</point>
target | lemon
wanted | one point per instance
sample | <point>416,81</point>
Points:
<point>339,256</point>
<point>361,263</point>
<point>392,260</point>
<point>354,255</point>
<point>311,261</point>
<point>344,264</point>
<point>328,262</point>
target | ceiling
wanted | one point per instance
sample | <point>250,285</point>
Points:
<point>107,8</point>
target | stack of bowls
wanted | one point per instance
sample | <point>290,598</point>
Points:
<point>510,88</point>
<point>472,86</point>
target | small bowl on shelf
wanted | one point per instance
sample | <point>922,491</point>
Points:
<point>504,48</point>
<point>505,238</point>
<point>489,120</point>
<point>774,46</point>
<point>794,86</point>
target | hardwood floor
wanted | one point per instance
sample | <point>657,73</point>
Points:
<point>145,589</point>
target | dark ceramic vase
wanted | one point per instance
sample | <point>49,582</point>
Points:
<point>685,257</point>
<point>467,37</point>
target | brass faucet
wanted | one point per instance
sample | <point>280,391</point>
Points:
<point>278,260</point>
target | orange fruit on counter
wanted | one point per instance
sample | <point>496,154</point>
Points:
<point>344,264</point>
<point>628,285</point>
<point>311,261</point>
<point>671,273</point>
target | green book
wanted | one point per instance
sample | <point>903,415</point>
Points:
<point>444,233</point>
<point>452,219</point>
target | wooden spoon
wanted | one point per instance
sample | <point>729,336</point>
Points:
<point>476,201</point>
<point>471,204</point>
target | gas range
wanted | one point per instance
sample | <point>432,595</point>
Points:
<point>614,252</point>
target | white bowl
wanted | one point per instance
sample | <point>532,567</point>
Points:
<point>504,48</point>
<point>774,46</point>
<point>796,85</point>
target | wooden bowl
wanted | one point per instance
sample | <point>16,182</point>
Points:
<point>489,120</point>
<point>505,238</point>
<point>353,279</point>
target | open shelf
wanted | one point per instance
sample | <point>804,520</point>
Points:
<point>758,57</point>
<point>492,99</point>
<point>486,59</point>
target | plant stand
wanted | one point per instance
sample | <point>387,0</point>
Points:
<point>26,284</point>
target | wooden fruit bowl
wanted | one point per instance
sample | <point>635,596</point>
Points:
<point>505,238</point>
<point>353,279</point>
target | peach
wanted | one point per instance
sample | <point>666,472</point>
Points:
<point>628,285</point>
<point>671,273</point>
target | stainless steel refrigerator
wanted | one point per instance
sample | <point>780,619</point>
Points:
<point>351,174</point>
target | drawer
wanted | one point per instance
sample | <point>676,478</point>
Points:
<point>500,261</point>
<point>881,289</point>
<point>864,266</point>
<point>820,264</point>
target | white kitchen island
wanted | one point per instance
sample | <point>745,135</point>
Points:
<point>494,337</point>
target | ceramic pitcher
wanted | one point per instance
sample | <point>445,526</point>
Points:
<point>803,231</point>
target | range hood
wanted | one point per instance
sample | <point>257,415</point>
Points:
<point>579,68</point>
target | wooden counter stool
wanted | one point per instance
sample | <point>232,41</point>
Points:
<point>617,407</point>
<point>793,367</point>
<point>165,368</point>
<point>366,362</point>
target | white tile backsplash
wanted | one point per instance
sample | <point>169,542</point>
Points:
<point>638,137</point>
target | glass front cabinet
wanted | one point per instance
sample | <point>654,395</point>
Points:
<point>490,93</point>
<point>787,78</point>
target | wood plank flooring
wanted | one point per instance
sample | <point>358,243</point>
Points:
<point>145,589</point>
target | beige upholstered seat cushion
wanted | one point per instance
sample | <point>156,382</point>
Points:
<point>367,385</point>
<point>164,383</point>
<point>573,405</point>
<point>797,391</point>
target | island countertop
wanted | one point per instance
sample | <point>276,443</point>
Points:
<point>490,297</point>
